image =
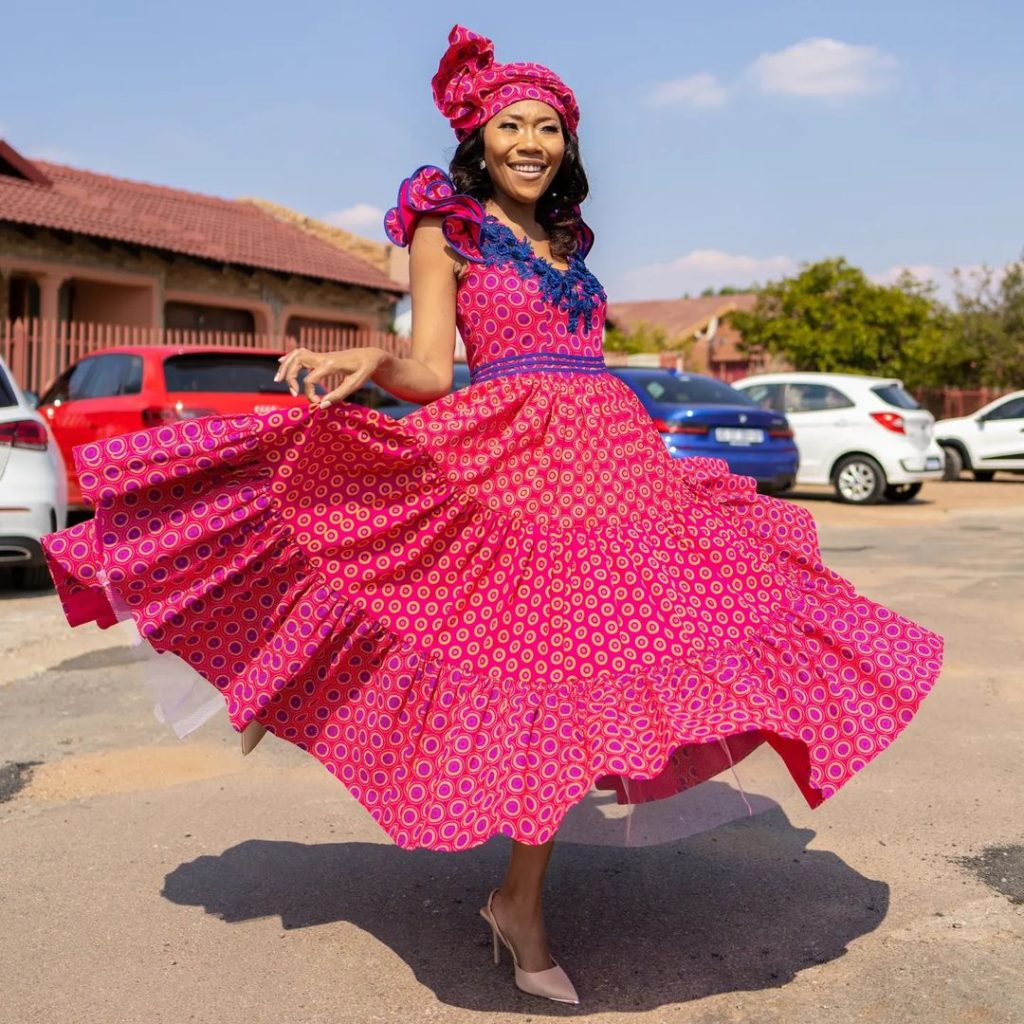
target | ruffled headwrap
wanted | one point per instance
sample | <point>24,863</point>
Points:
<point>470,88</point>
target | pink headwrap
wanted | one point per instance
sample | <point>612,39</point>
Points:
<point>470,88</point>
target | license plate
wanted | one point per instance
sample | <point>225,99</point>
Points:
<point>933,462</point>
<point>738,435</point>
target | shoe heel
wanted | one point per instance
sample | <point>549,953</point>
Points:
<point>494,937</point>
<point>251,735</point>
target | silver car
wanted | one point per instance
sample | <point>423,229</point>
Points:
<point>33,485</point>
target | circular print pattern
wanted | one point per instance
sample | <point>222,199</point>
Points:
<point>473,615</point>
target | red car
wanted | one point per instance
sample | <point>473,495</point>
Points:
<point>130,387</point>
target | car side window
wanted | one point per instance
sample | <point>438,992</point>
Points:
<point>815,398</point>
<point>768,396</point>
<point>112,376</point>
<point>133,376</point>
<point>70,385</point>
<point>1012,410</point>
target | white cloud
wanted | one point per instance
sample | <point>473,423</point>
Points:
<point>361,218</point>
<point>700,269</point>
<point>823,67</point>
<point>698,91</point>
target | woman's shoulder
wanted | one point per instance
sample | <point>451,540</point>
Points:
<point>428,193</point>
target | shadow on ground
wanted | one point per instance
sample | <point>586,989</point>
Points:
<point>741,907</point>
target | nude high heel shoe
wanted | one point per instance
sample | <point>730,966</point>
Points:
<point>553,983</point>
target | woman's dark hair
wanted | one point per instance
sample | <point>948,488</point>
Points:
<point>556,209</point>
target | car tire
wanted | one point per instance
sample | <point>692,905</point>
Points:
<point>954,463</point>
<point>902,492</point>
<point>983,476</point>
<point>33,577</point>
<point>858,480</point>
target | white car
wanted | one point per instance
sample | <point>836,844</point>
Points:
<point>988,440</point>
<point>33,485</point>
<point>866,436</point>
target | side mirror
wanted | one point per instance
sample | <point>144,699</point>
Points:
<point>32,398</point>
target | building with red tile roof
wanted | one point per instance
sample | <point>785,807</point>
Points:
<point>81,246</point>
<point>698,330</point>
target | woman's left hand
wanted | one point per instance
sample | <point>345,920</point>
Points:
<point>357,364</point>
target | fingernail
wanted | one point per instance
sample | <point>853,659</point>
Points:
<point>325,403</point>
<point>294,391</point>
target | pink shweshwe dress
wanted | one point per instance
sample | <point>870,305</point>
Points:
<point>472,615</point>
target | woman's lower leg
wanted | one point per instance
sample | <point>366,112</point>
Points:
<point>517,904</point>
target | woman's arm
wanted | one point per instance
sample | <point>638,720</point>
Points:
<point>427,372</point>
<point>424,375</point>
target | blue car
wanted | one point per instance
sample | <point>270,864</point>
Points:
<point>699,415</point>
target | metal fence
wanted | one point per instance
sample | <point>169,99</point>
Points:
<point>37,351</point>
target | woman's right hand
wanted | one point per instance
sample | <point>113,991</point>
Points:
<point>357,364</point>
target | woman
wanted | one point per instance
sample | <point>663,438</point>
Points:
<point>474,614</point>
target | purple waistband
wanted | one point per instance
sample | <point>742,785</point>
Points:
<point>536,362</point>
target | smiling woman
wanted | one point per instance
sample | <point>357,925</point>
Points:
<point>527,166</point>
<point>474,615</point>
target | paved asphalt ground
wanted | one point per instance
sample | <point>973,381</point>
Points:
<point>145,879</point>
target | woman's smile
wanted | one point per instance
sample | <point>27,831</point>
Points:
<point>524,145</point>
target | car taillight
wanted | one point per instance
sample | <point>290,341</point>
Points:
<point>24,434</point>
<point>157,415</point>
<point>780,432</point>
<point>676,427</point>
<point>891,421</point>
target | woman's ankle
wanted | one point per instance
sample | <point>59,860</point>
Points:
<point>524,903</point>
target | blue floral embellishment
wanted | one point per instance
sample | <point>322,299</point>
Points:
<point>574,291</point>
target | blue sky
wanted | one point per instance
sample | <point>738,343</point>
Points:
<point>724,143</point>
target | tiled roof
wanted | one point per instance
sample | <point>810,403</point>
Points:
<point>376,253</point>
<point>225,230</point>
<point>680,318</point>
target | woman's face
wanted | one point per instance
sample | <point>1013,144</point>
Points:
<point>524,146</point>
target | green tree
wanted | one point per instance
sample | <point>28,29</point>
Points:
<point>644,337</point>
<point>617,340</point>
<point>726,289</point>
<point>989,323</point>
<point>831,317</point>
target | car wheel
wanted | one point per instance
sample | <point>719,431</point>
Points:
<point>859,480</point>
<point>954,463</point>
<point>902,492</point>
<point>33,577</point>
<point>984,475</point>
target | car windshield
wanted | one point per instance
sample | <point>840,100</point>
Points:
<point>239,372</point>
<point>687,390</point>
<point>894,395</point>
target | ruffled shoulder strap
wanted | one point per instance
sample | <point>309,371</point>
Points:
<point>584,237</point>
<point>430,191</point>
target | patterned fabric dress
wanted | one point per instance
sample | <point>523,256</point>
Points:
<point>472,615</point>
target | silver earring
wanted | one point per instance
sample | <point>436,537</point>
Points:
<point>483,165</point>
